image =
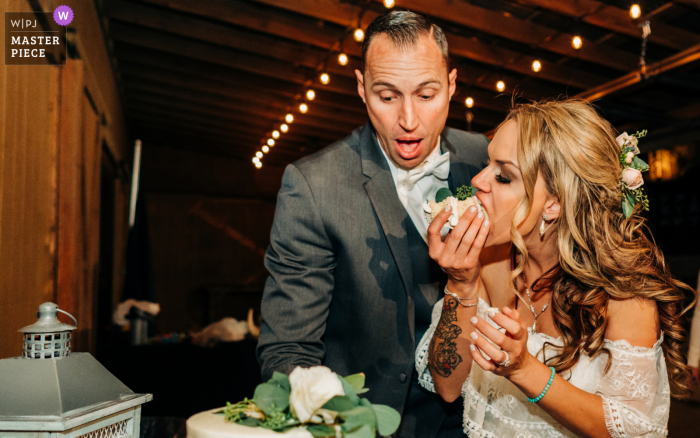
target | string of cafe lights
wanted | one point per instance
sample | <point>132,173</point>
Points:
<point>358,35</point>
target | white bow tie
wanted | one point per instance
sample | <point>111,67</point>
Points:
<point>438,165</point>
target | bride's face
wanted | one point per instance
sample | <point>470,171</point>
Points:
<point>501,187</point>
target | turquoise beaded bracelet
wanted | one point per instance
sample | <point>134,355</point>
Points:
<point>539,397</point>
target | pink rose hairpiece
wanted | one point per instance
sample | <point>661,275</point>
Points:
<point>631,168</point>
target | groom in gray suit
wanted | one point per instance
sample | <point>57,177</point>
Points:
<point>351,283</point>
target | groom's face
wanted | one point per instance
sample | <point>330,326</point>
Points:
<point>407,92</point>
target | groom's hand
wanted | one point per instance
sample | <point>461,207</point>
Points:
<point>458,255</point>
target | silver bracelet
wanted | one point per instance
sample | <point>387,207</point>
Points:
<point>459,299</point>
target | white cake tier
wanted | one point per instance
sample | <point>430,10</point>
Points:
<point>209,425</point>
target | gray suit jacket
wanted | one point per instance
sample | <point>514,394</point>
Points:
<point>340,285</point>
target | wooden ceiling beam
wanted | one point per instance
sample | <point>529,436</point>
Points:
<point>209,146</point>
<point>330,117</point>
<point>246,143</point>
<point>279,78</point>
<point>225,126</point>
<point>195,92</point>
<point>468,15</point>
<point>239,135</point>
<point>618,20</point>
<point>246,146</point>
<point>174,24</point>
<point>207,115</point>
<point>181,95</point>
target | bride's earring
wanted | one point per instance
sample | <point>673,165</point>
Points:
<point>542,225</point>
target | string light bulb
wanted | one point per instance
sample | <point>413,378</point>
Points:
<point>359,35</point>
<point>284,127</point>
<point>343,59</point>
<point>289,118</point>
<point>325,78</point>
<point>258,155</point>
<point>258,164</point>
<point>303,108</point>
<point>469,102</point>
<point>635,11</point>
<point>577,42</point>
<point>536,66</point>
<point>275,134</point>
<point>256,159</point>
<point>310,95</point>
<point>265,149</point>
<point>389,4</point>
<point>500,85</point>
<point>270,142</point>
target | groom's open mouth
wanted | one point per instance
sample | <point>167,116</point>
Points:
<point>408,147</point>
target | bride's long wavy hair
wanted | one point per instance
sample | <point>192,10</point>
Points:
<point>602,254</point>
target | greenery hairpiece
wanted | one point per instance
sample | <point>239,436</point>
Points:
<point>631,168</point>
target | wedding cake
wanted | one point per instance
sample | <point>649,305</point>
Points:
<point>310,402</point>
<point>458,207</point>
<point>210,424</point>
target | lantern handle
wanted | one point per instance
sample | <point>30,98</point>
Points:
<point>72,317</point>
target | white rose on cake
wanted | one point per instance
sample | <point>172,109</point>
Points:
<point>311,388</point>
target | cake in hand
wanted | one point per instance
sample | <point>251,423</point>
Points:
<point>459,204</point>
<point>311,402</point>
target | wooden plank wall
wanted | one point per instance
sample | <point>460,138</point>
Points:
<point>208,229</point>
<point>52,134</point>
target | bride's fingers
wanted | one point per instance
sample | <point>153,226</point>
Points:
<point>478,244</point>
<point>517,330</point>
<point>491,333</point>
<point>487,347</point>
<point>468,240</point>
<point>486,365</point>
<point>512,326</point>
<point>457,235</point>
<point>435,244</point>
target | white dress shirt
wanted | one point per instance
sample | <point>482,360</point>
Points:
<point>423,190</point>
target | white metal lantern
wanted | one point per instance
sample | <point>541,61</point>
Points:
<point>49,392</point>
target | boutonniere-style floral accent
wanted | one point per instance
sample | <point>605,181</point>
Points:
<point>631,168</point>
<point>316,398</point>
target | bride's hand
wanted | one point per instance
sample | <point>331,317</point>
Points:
<point>458,255</point>
<point>513,342</point>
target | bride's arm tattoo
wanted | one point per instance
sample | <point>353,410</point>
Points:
<point>444,358</point>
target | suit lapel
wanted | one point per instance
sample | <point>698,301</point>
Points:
<point>392,215</point>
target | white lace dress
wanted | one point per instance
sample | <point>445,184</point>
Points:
<point>635,391</point>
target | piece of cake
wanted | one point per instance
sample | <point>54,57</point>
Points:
<point>433,208</point>
<point>209,424</point>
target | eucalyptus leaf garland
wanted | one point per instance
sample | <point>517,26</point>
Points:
<point>354,417</point>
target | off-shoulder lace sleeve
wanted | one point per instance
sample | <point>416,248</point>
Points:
<point>424,377</point>
<point>635,391</point>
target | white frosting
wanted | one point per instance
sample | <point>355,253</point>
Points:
<point>209,425</point>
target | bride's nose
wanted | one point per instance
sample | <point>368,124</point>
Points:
<point>480,181</point>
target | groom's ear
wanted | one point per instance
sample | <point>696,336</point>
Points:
<point>552,207</point>
<point>361,85</point>
<point>452,80</point>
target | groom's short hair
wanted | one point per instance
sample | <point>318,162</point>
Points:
<point>404,28</point>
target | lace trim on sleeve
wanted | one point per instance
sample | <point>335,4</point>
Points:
<point>635,391</point>
<point>627,422</point>
<point>424,378</point>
